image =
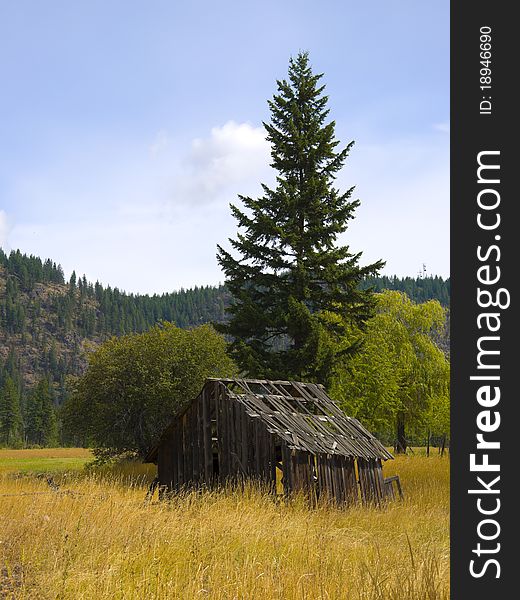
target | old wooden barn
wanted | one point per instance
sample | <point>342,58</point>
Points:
<point>289,436</point>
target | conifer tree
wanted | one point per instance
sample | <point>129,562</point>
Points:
<point>40,417</point>
<point>291,277</point>
<point>72,284</point>
<point>10,416</point>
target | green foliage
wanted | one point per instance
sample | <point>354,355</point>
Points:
<point>136,383</point>
<point>46,325</point>
<point>418,289</point>
<point>28,270</point>
<point>400,378</point>
<point>92,310</point>
<point>10,414</point>
<point>41,426</point>
<point>289,270</point>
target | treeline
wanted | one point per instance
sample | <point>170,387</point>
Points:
<point>93,310</point>
<point>418,289</point>
<point>27,417</point>
<point>89,309</point>
<point>29,270</point>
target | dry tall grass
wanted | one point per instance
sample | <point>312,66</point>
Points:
<point>97,538</point>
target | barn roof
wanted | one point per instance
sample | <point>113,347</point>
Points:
<point>302,415</point>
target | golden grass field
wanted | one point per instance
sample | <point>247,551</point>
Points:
<point>97,538</point>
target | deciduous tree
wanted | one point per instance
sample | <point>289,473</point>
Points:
<point>400,378</point>
<point>135,384</point>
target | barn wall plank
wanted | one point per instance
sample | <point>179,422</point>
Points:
<point>206,437</point>
<point>286,468</point>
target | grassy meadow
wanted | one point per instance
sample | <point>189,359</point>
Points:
<point>45,460</point>
<point>97,537</point>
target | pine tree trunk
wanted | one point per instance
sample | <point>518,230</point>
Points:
<point>400,444</point>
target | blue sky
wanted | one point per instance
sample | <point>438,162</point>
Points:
<point>127,127</point>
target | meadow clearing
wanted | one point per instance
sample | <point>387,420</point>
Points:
<point>97,537</point>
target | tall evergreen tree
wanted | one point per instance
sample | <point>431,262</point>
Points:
<point>291,277</point>
<point>72,284</point>
<point>40,416</point>
<point>10,416</point>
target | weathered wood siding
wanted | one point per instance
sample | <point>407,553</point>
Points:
<point>219,439</point>
<point>214,442</point>
<point>332,477</point>
<point>371,481</point>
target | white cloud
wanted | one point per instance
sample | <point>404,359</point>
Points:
<point>206,171</point>
<point>233,159</point>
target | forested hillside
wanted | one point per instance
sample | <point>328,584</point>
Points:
<point>48,324</point>
<point>418,289</point>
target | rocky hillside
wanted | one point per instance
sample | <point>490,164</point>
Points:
<point>47,325</point>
